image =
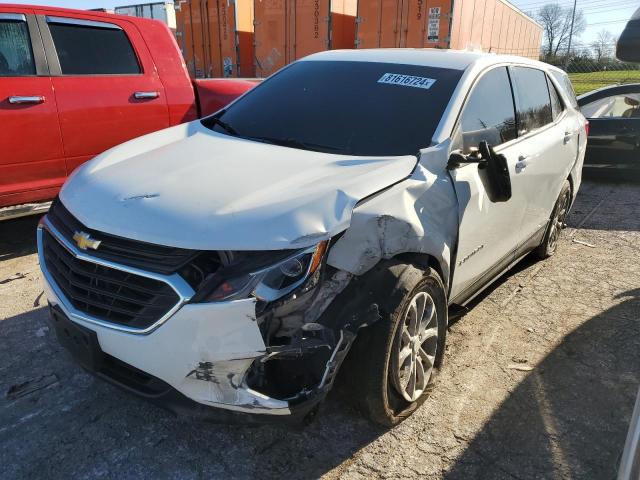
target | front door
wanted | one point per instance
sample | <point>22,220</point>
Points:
<point>32,165</point>
<point>107,87</point>
<point>489,231</point>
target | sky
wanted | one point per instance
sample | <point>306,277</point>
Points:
<point>611,15</point>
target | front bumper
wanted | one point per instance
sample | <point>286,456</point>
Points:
<point>202,352</point>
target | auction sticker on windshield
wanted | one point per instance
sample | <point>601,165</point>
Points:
<point>406,80</point>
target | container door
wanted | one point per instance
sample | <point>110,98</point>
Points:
<point>184,35</point>
<point>270,36</point>
<point>106,84</point>
<point>310,27</point>
<point>32,163</point>
<point>220,38</point>
<point>244,38</point>
<point>414,23</point>
<point>379,23</point>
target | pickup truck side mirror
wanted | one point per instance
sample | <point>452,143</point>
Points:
<point>492,167</point>
<point>628,48</point>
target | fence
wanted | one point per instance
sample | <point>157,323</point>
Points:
<point>589,67</point>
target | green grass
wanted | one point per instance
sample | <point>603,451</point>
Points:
<point>585,82</point>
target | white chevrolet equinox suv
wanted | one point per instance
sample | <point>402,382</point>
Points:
<point>326,220</point>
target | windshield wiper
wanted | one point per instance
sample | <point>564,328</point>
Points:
<point>293,143</point>
<point>211,121</point>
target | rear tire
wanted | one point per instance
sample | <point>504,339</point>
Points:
<point>549,243</point>
<point>394,362</point>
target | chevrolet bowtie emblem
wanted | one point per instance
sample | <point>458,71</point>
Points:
<point>84,241</point>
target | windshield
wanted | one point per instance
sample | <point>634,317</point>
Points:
<point>350,108</point>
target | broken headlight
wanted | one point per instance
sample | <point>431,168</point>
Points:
<point>270,283</point>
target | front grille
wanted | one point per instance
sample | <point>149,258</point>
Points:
<point>106,293</point>
<point>147,256</point>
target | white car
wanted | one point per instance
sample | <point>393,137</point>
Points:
<point>335,212</point>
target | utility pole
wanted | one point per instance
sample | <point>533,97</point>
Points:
<point>573,18</point>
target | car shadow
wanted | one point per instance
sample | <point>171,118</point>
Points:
<point>547,423</point>
<point>18,237</point>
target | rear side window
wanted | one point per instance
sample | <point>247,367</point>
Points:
<point>489,113</point>
<point>556,103</point>
<point>93,49</point>
<point>533,102</point>
<point>16,58</point>
<point>563,79</point>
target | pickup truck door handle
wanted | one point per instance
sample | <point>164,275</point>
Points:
<point>19,99</point>
<point>146,95</point>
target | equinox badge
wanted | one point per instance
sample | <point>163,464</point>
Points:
<point>84,241</point>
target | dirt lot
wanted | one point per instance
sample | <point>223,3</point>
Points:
<point>539,382</point>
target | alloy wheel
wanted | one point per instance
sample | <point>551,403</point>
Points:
<point>415,347</point>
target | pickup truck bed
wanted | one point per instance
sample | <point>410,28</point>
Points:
<point>75,83</point>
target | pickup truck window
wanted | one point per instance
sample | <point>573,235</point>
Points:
<point>344,107</point>
<point>92,50</point>
<point>16,58</point>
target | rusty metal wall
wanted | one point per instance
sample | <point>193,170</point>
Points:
<point>286,30</point>
<point>211,42</point>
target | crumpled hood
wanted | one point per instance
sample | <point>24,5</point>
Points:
<point>190,187</point>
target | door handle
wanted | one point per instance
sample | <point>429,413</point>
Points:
<point>522,163</point>
<point>146,95</point>
<point>568,136</point>
<point>19,99</point>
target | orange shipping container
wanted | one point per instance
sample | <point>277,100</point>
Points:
<point>495,26</point>
<point>216,37</point>
<point>492,25</point>
<point>286,30</point>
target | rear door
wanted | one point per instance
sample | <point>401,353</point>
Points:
<point>548,146</point>
<point>107,88</point>
<point>614,133</point>
<point>32,161</point>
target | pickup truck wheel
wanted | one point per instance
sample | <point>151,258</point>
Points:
<point>398,357</point>
<point>549,243</point>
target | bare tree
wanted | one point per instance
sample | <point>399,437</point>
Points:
<point>556,24</point>
<point>604,45</point>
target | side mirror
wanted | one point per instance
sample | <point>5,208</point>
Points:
<point>498,185</point>
<point>628,48</point>
<point>493,170</point>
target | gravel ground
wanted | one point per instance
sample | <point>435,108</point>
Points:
<point>539,382</point>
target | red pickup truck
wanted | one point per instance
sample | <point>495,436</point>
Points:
<point>74,83</point>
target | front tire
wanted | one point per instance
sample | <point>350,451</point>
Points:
<point>549,243</point>
<point>397,358</point>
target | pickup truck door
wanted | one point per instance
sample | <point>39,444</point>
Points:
<point>107,87</point>
<point>489,232</point>
<point>32,165</point>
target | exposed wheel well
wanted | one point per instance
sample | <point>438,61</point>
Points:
<point>423,260</point>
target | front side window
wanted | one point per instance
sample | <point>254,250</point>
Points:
<point>533,102</point>
<point>344,107</point>
<point>489,114</point>
<point>625,105</point>
<point>93,50</point>
<point>16,58</point>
